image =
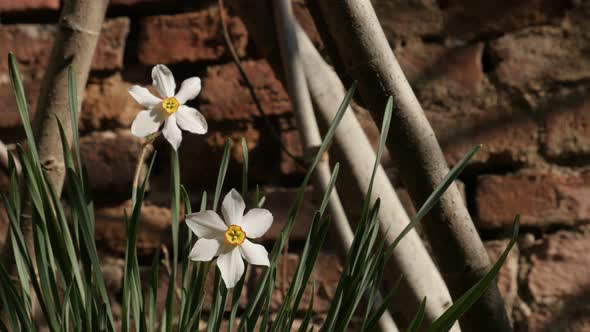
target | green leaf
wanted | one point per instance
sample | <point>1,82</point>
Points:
<point>222,172</point>
<point>244,168</point>
<point>417,321</point>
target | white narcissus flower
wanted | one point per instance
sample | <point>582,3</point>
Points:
<point>229,239</point>
<point>171,110</point>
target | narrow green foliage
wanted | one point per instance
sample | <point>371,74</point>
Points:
<point>244,168</point>
<point>222,173</point>
<point>417,321</point>
<point>61,268</point>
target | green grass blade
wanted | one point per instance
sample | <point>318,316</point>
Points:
<point>21,103</point>
<point>222,172</point>
<point>417,321</point>
<point>244,168</point>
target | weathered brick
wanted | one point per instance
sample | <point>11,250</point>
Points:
<point>11,124</point>
<point>507,138</point>
<point>559,280</point>
<point>434,64</point>
<point>508,275</point>
<point>32,43</point>
<point>560,268</point>
<point>535,58</point>
<point>567,130</point>
<point>465,108</point>
<point>154,228</point>
<point>541,198</point>
<point>111,45</point>
<point>192,36</point>
<point>467,20</point>
<point>574,316</point>
<point>414,17</point>
<point>225,96</point>
<point>7,6</point>
<point>326,273</point>
<point>291,140</point>
<point>111,158</point>
<point>107,104</point>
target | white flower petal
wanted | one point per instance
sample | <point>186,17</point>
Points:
<point>256,222</point>
<point>146,123</point>
<point>233,207</point>
<point>172,132</point>
<point>254,253</point>
<point>206,224</point>
<point>189,89</point>
<point>191,120</point>
<point>231,267</point>
<point>205,249</point>
<point>163,80</point>
<point>144,96</point>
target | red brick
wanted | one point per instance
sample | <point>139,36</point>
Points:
<point>508,276</point>
<point>572,317</point>
<point>567,130</point>
<point>292,142</point>
<point>416,17</point>
<point>541,198</point>
<point>326,273</point>
<point>534,58</point>
<point>192,36</point>
<point>225,96</point>
<point>507,138</point>
<point>455,70</point>
<point>110,158</point>
<point>32,43</point>
<point>558,280</point>
<point>11,124</point>
<point>154,228</point>
<point>560,268</point>
<point>7,6</point>
<point>466,19</point>
<point>111,45</point>
<point>107,104</point>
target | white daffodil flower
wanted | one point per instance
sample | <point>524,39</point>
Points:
<point>171,110</point>
<point>229,239</point>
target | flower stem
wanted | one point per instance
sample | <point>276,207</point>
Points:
<point>147,145</point>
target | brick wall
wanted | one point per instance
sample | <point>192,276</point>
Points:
<point>513,75</point>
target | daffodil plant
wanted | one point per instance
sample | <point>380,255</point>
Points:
<point>63,275</point>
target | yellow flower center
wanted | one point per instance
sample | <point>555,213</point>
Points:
<point>235,235</point>
<point>170,105</point>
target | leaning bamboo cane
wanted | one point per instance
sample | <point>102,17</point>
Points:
<point>357,40</point>
<point>307,124</point>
